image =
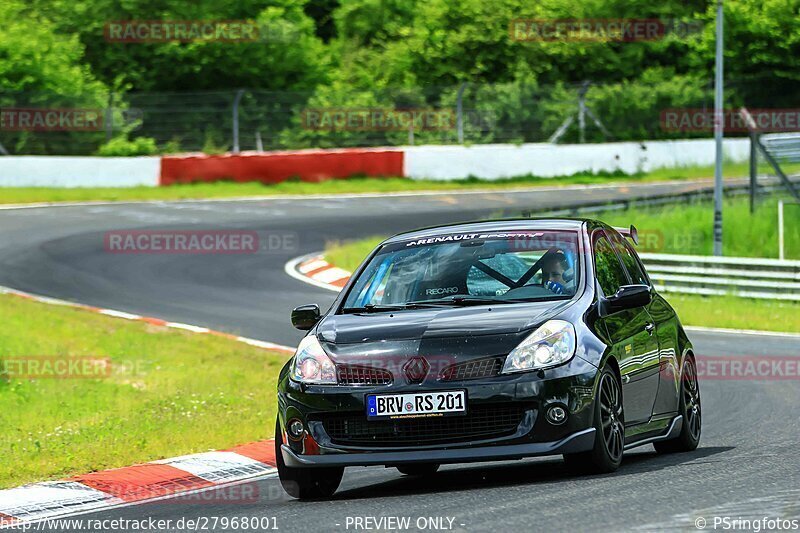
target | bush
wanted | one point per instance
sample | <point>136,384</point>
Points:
<point>121,147</point>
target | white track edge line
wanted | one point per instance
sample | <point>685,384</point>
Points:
<point>129,316</point>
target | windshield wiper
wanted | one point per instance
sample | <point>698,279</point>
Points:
<point>462,300</point>
<point>379,308</point>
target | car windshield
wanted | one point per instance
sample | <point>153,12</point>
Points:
<point>468,269</point>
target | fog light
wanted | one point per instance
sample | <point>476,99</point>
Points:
<point>556,414</point>
<point>296,429</point>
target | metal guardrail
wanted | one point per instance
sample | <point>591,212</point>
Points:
<point>773,279</point>
<point>785,147</point>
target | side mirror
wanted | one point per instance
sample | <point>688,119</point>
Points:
<point>628,297</point>
<point>305,316</point>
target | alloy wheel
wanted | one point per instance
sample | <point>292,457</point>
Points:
<point>691,399</point>
<point>611,416</point>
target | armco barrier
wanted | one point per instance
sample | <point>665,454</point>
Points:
<point>274,167</point>
<point>743,276</point>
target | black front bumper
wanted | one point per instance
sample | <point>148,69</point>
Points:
<point>570,386</point>
<point>579,442</point>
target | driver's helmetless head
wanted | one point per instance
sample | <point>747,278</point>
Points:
<point>554,268</point>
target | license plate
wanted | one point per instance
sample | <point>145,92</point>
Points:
<point>421,404</point>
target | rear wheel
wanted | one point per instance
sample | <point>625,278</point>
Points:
<point>305,483</point>
<point>609,424</point>
<point>420,469</point>
<point>689,437</point>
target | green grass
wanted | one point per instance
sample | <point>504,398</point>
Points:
<point>169,393</point>
<point>736,313</point>
<point>687,228</point>
<point>13,195</point>
<point>348,255</point>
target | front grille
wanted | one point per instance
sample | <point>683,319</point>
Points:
<point>362,375</point>
<point>481,368</point>
<point>481,422</point>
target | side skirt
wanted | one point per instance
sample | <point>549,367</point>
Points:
<point>673,431</point>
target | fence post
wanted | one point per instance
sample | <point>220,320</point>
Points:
<point>236,100</point>
<point>110,117</point>
<point>460,112</point>
<point>753,170</point>
<point>781,254</point>
<point>582,111</point>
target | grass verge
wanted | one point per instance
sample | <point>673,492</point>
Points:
<point>687,228</point>
<point>168,393</point>
<point>14,195</point>
<point>736,313</point>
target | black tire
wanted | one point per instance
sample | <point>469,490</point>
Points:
<point>419,469</point>
<point>305,483</point>
<point>689,405</point>
<point>609,423</point>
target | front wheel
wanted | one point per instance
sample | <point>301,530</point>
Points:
<point>689,437</point>
<point>305,483</point>
<point>609,424</point>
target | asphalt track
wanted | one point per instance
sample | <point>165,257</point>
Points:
<point>746,467</point>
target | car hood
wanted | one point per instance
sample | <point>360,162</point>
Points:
<point>437,323</point>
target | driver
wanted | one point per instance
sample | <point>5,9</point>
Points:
<point>553,272</point>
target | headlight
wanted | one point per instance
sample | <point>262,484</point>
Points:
<point>550,345</point>
<point>312,364</point>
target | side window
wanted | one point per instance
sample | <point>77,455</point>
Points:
<point>631,262</point>
<point>608,269</point>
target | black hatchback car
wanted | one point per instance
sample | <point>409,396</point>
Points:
<point>487,341</point>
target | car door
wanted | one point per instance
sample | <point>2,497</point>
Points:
<point>632,335</point>
<point>666,331</point>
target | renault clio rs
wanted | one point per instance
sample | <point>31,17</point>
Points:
<point>487,341</point>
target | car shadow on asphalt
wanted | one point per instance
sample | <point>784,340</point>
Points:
<point>528,472</point>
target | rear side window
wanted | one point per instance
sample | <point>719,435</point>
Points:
<point>631,262</point>
<point>610,274</point>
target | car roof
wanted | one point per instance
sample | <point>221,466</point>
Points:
<point>508,224</point>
